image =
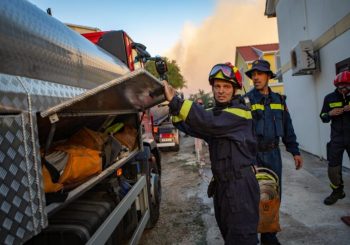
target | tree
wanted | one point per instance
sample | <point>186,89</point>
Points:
<point>175,77</point>
<point>206,97</point>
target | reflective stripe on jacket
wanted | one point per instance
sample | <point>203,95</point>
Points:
<point>340,125</point>
<point>228,131</point>
<point>272,119</point>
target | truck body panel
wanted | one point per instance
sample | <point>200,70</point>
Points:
<point>38,46</point>
<point>52,80</point>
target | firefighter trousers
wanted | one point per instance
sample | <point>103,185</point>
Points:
<point>236,204</point>
<point>335,152</point>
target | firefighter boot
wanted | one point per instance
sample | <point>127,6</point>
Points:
<point>337,193</point>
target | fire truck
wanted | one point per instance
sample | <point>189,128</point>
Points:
<point>55,82</point>
<point>165,134</point>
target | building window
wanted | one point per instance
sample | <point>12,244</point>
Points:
<point>278,67</point>
<point>343,65</point>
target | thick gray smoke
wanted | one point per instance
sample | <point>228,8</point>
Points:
<point>233,23</point>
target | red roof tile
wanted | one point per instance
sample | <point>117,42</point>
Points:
<point>249,54</point>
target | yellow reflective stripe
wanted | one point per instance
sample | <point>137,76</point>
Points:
<point>185,109</point>
<point>333,186</point>
<point>324,114</point>
<point>277,106</point>
<point>176,119</point>
<point>335,104</point>
<point>258,107</point>
<point>239,112</point>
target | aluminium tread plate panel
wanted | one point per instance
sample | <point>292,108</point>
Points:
<point>22,203</point>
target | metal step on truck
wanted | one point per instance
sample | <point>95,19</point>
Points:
<point>78,163</point>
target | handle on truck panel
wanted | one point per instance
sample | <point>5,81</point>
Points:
<point>157,92</point>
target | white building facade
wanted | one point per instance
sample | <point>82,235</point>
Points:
<point>327,24</point>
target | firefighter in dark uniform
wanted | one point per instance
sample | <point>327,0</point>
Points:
<point>271,122</point>
<point>336,108</point>
<point>228,130</point>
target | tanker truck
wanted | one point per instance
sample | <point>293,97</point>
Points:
<point>76,164</point>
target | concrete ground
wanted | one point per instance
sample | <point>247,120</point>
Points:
<point>304,218</point>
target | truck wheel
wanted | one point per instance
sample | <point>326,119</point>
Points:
<point>177,142</point>
<point>176,147</point>
<point>155,192</point>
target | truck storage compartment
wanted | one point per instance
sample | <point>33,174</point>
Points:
<point>111,110</point>
<point>113,104</point>
<point>81,165</point>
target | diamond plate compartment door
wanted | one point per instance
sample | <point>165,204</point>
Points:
<point>22,200</point>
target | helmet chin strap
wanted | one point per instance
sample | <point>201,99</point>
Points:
<point>344,92</point>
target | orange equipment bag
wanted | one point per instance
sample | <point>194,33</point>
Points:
<point>269,200</point>
<point>127,136</point>
<point>73,162</point>
<point>82,163</point>
<point>88,138</point>
<point>269,216</point>
<point>49,185</point>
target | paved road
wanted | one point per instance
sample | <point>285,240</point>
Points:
<point>304,218</point>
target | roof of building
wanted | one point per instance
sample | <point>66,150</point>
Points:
<point>250,53</point>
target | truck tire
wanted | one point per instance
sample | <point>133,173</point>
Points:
<point>177,142</point>
<point>155,191</point>
<point>176,147</point>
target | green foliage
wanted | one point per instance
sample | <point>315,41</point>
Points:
<point>175,77</point>
<point>206,97</point>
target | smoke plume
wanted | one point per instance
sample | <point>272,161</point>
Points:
<point>233,23</point>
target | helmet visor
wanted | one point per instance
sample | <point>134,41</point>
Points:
<point>344,87</point>
<point>226,71</point>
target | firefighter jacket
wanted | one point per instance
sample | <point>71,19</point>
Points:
<point>340,125</point>
<point>228,130</point>
<point>272,120</point>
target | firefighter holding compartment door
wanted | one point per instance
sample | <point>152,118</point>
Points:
<point>228,130</point>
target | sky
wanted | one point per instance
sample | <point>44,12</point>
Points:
<point>196,33</point>
<point>154,23</point>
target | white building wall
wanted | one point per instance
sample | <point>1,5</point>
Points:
<point>309,19</point>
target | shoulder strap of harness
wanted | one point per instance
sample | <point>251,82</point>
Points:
<point>246,101</point>
<point>283,102</point>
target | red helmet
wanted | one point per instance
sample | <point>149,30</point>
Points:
<point>227,72</point>
<point>342,77</point>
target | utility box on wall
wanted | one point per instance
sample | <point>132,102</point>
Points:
<point>304,59</point>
